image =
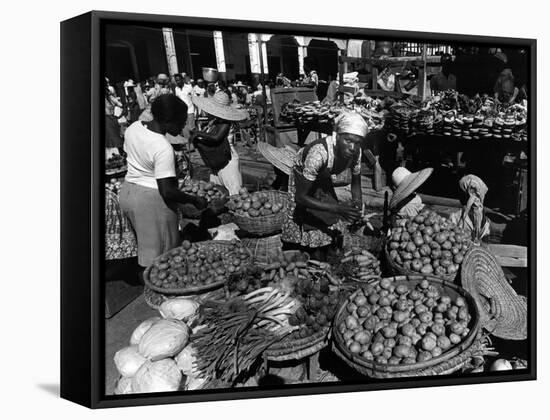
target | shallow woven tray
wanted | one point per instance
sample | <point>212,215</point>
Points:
<point>298,349</point>
<point>397,270</point>
<point>370,368</point>
<point>264,225</point>
<point>219,246</point>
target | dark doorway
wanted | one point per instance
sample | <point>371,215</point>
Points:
<point>282,54</point>
<point>325,56</point>
<point>118,63</point>
<point>202,51</point>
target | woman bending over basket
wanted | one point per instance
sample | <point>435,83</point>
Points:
<point>150,192</point>
<point>316,218</point>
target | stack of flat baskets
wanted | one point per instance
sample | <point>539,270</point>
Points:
<point>449,362</point>
<point>264,225</point>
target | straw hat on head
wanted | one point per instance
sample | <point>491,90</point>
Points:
<point>280,157</point>
<point>129,83</point>
<point>503,312</point>
<point>239,84</point>
<point>407,183</point>
<point>219,105</point>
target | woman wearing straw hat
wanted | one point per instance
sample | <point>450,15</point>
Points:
<point>404,201</point>
<point>315,216</point>
<point>472,217</point>
<point>213,144</point>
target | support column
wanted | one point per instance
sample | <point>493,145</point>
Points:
<point>302,52</point>
<point>264,38</point>
<point>220,55</point>
<point>254,53</point>
<point>170,48</point>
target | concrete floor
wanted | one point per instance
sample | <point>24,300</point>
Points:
<point>118,330</point>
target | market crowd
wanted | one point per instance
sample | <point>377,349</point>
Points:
<point>166,117</point>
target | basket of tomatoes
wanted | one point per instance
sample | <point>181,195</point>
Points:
<point>426,244</point>
<point>407,326</point>
<point>259,213</point>
<point>196,268</point>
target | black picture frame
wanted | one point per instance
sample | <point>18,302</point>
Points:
<point>82,169</point>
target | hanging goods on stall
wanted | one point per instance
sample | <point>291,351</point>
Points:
<point>503,311</point>
<point>280,157</point>
<point>407,183</point>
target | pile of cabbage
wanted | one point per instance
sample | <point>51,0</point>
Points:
<point>159,357</point>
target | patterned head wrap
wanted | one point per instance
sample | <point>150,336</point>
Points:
<point>476,190</point>
<point>351,123</point>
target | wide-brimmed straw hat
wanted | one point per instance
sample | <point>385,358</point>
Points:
<point>239,84</point>
<point>407,183</point>
<point>220,106</point>
<point>503,312</point>
<point>280,157</point>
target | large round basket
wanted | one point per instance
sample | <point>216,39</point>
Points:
<point>297,349</point>
<point>398,270</point>
<point>223,247</point>
<point>450,359</point>
<point>264,225</point>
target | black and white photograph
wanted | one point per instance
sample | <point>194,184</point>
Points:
<point>284,209</point>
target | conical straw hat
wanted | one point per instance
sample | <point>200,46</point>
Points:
<point>407,183</point>
<point>280,157</point>
<point>503,311</point>
<point>220,106</point>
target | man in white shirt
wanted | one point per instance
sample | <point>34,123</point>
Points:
<point>184,91</point>
<point>198,89</point>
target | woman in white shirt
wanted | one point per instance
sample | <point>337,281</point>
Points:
<point>150,194</point>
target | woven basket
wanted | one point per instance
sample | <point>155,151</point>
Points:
<point>503,312</point>
<point>397,270</point>
<point>452,365</point>
<point>189,211</point>
<point>370,243</point>
<point>370,368</point>
<point>264,225</point>
<point>297,349</point>
<point>220,246</point>
<point>264,250</point>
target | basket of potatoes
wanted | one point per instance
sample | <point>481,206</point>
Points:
<point>212,193</point>
<point>259,213</point>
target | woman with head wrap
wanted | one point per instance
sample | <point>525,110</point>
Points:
<point>471,217</point>
<point>315,213</point>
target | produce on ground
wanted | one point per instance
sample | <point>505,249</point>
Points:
<point>255,204</point>
<point>392,323</point>
<point>428,244</point>
<point>194,265</point>
<point>308,282</point>
<point>142,329</point>
<point>165,338</point>
<point>183,309</point>
<point>235,333</point>
<point>356,264</point>
<point>128,360</point>
<point>207,190</point>
<point>160,376</point>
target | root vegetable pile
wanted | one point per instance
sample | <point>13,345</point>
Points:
<point>395,324</point>
<point>232,335</point>
<point>207,190</point>
<point>256,204</point>
<point>193,265</point>
<point>428,244</point>
<point>357,264</point>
